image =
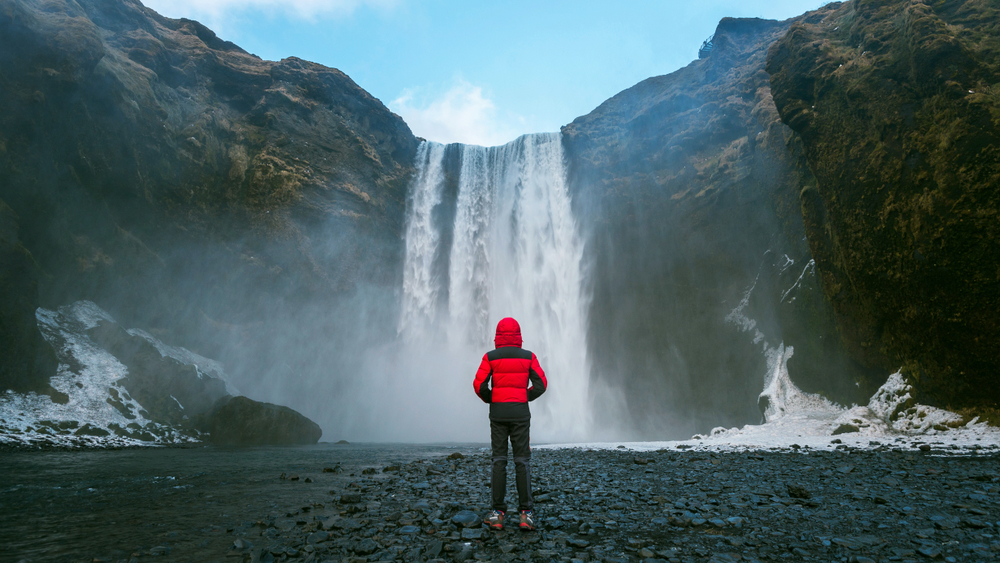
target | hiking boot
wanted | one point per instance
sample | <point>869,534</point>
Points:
<point>527,520</point>
<point>495,520</point>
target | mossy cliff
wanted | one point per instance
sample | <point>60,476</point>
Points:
<point>188,186</point>
<point>686,186</point>
<point>897,105</point>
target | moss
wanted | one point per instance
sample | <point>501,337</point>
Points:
<point>891,101</point>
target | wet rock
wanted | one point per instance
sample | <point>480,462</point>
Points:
<point>845,429</point>
<point>242,544</point>
<point>472,533</point>
<point>239,421</point>
<point>796,491</point>
<point>577,543</point>
<point>466,519</point>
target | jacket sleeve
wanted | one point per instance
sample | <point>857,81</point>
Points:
<point>481,385</point>
<point>537,377</point>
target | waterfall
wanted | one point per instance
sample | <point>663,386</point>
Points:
<point>514,251</point>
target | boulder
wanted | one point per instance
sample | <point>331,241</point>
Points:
<point>239,421</point>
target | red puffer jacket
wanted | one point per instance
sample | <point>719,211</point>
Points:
<point>510,368</point>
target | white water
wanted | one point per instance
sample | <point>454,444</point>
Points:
<point>515,252</point>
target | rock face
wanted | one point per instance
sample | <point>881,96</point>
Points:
<point>687,189</point>
<point>239,421</point>
<point>26,360</point>
<point>170,391</point>
<point>189,187</point>
<point>897,105</point>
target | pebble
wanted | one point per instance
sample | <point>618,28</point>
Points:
<point>844,505</point>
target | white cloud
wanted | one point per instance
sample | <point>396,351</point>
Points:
<point>462,114</point>
<point>216,10</point>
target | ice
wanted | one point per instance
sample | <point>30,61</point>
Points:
<point>808,421</point>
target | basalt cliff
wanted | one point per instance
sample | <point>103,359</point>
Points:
<point>186,186</point>
<point>897,107</point>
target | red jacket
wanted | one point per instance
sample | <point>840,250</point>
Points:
<point>510,368</point>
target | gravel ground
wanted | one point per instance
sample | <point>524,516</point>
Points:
<point>844,504</point>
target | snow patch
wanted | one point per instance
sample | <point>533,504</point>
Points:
<point>98,411</point>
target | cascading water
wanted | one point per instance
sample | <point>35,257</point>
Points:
<point>514,251</point>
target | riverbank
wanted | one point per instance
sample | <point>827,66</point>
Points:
<point>409,503</point>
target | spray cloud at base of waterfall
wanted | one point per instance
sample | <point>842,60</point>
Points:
<point>496,239</point>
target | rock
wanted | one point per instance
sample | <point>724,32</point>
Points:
<point>577,543</point>
<point>796,491</point>
<point>456,455</point>
<point>472,533</point>
<point>242,544</point>
<point>366,546</point>
<point>317,537</point>
<point>930,551</point>
<point>170,391</point>
<point>27,361</point>
<point>408,530</point>
<point>350,498</point>
<point>701,153</point>
<point>830,97</point>
<point>466,519</point>
<point>239,421</point>
<point>845,429</point>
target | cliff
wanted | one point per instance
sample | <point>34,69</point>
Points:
<point>187,186</point>
<point>686,186</point>
<point>897,105</point>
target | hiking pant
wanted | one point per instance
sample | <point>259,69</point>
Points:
<point>518,432</point>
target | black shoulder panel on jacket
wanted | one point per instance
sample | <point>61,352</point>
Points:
<point>508,352</point>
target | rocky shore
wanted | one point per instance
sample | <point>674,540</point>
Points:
<point>888,503</point>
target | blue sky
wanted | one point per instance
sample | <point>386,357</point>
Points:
<point>475,71</point>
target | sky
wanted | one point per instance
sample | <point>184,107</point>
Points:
<point>481,72</point>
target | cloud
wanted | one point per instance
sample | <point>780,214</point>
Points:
<point>462,114</point>
<point>215,10</point>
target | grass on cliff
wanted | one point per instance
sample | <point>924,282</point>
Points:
<point>989,415</point>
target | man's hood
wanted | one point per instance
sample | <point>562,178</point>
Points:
<point>508,333</point>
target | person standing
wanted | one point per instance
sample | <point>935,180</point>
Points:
<point>502,381</point>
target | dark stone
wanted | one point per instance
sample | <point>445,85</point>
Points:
<point>366,546</point>
<point>161,384</point>
<point>88,430</point>
<point>845,429</point>
<point>897,201</point>
<point>467,519</point>
<point>796,491</point>
<point>696,165</point>
<point>27,361</point>
<point>239,421</point>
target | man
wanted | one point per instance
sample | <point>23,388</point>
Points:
<point>511,369</point>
